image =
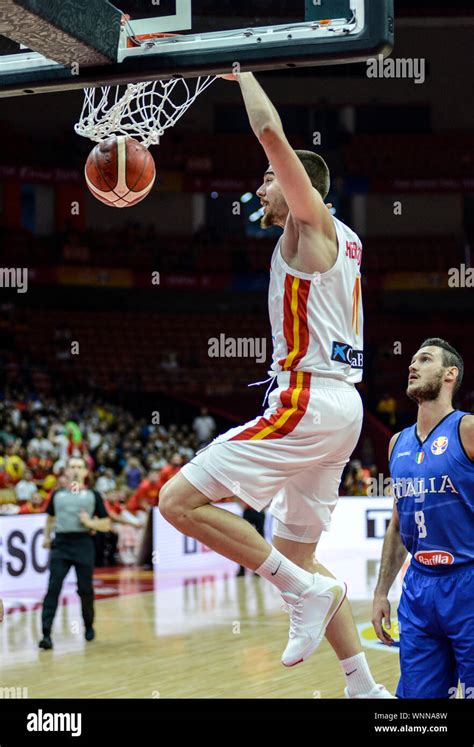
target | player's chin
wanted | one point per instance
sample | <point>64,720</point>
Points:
<point>412,389</point>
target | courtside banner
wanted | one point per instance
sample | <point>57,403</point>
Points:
<point>175,551</point>
<point>357,523</point>
<point>23,559</point>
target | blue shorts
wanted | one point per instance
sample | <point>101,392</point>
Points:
<point>436,618</point>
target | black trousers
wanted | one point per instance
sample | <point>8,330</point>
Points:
<point>257,519</point>
<point>105,548</point>
<point>70,550</point>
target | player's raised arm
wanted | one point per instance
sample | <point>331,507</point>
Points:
<point>304,202</point>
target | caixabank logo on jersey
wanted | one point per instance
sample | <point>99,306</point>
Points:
<point>344,353</point>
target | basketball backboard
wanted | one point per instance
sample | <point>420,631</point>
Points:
<point>49,45</point>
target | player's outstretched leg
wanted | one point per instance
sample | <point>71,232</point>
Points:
<point>341,632</point>
<point>313,599</point>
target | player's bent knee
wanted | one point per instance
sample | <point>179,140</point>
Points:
<point>169,504</point>
<point>177,500</point>
<point>172,505</point>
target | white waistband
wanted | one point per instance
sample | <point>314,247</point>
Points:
<point>282,379</point>
<point>317,381</point>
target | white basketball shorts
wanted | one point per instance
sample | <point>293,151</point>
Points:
<point>292,456</point>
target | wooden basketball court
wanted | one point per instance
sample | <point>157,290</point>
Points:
<point>165,636</point>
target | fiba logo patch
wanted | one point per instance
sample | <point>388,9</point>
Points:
<point>439,445</point>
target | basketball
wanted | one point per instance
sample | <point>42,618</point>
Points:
<point>120,171</point>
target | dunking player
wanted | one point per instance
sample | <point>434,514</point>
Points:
<point>432,468</point>
<point>295,454</point>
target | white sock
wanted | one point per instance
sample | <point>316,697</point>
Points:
<point>284,574</point>
<point>358,677</point>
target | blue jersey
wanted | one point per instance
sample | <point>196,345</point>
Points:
<point>433,485</point>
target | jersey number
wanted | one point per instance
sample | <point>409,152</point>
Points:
<point>420,523</point>
<point>356,302</point>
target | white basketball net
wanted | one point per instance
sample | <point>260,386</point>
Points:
<point>141,110</point>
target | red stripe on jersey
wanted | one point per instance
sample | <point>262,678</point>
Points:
<point>295,321</point>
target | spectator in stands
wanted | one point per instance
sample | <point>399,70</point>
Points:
<point>39,467</point>
<point>171,469</point>
<point>26,488</point>
<point>127,445</point>
<point>94,438</point>
<point>41,446</point>
<point>57,436</point>
<point>147,492</point>
<point>204,426</point>
<point>37,504</point>
<point>6,434</point>
<point>126,528</point>
<point>133,473</point>
<point>155,462</point>
<point>357,480</point>
<point>186,450</point>
<point>387,410</point>
<point>12,465</point>
<point>106,482</point>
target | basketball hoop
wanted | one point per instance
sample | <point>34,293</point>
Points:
<point>142,111</point>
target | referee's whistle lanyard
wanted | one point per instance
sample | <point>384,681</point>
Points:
<point>272,378</point>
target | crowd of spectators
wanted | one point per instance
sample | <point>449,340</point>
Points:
<point>129,459</point>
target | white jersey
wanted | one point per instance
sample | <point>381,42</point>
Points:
<point>317,319</point>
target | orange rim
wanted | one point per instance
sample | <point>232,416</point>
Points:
<point>132,40</point>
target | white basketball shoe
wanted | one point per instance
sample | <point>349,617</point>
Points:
<point>378,691</point>
<point>310,614</point>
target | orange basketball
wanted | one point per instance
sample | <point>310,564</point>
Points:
<point>120,171</point>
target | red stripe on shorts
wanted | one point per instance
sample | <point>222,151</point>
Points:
<point>294,403</point>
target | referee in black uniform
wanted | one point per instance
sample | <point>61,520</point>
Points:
<point>73,512</point>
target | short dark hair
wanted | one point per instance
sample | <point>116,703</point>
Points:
<point>317,170</point>
<point>451,357</point>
